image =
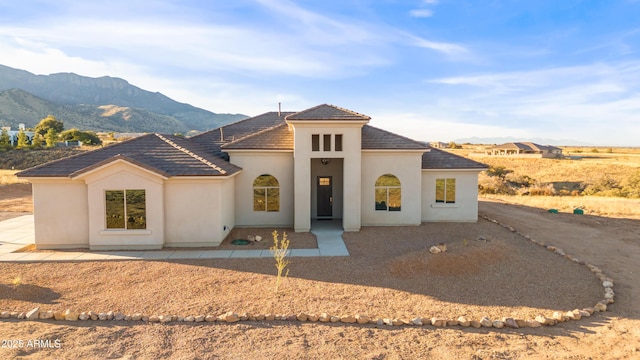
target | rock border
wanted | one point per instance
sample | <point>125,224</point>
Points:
<point>361,319</point>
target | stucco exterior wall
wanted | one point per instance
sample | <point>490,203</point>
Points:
<point>465,208</point>
<point>254,164</point>
<point>60,210</point>
<point>121,175</point>
<point>351,155</point>
<point>198,212</point>
<point>406,167</point>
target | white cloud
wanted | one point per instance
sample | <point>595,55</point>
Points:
<point>421,13</point>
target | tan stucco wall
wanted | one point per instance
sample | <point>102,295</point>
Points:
<point>121,175</point>
<point>60,213</point>
<point>197,210</point>
<point>406,166</point>
<point>466,207</point>
<point>351,155</point>
<point>254,164</point>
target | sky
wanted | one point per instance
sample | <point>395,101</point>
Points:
<point>432,70</point>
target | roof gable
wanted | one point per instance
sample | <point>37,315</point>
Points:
<point>328,112</point>
<point>165,155</point>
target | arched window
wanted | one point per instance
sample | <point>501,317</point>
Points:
<point>388,193</point>
<point>266,193</point>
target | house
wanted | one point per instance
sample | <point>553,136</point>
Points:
<point>275,169</point>
<point>524,149</point>
<point>13,134</point>
<point>438,145</point>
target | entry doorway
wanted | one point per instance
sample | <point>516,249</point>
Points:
<point>325,197</point>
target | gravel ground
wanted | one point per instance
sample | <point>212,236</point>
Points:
<point>389,274</point>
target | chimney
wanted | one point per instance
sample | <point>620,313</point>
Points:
<point>279,106</point>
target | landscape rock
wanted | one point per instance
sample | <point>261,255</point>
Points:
<point>498,324</point>
<point>558,316</point>
<point>607,283</point>
<point>334,319</point>
<point>5,314</point>
<point>118,316</point>
<point>260,317</point>
<point>71,315</point>
<point>33,314</point>
<point>244,317</point>
<point>23,315</point>
<point>521,322</point>
<point>510,323</point>
<point>545,320</point>
<point>590,310</point>
<point>110,315</point>
<point>136,317</point>
<point>209,318</point>
<point>435,250</point>
<point>58,315</point>
<point>532,324</point>
<point>165,318</point>
<point>452,322</point>
<point>231,317</point>
<point>154,318</point>
<point>362,319</point>
<point>324,317</point>
<point>486,322</point>
<point>387,321</point>
<point>475,323</point>
<point>190,318</point>
<point>417,321</point>
<point>46,315</point>
<point>102,316</point>
<point>438,322</point>
<point>348,319</point>
<point>584,313</point>
<point>442,247</point>
<point>270,317</point>
<point>302,317</point>
<point>199,318</point>
<point>397,322</point>
<point>464,322</point>
<point>84,316</point>
<point>600,307</point>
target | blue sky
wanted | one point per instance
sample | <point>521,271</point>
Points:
<point>427,69</point>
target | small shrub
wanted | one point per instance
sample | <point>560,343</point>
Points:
<point>280,251</point>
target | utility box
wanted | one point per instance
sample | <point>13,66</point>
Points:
<point>578,211</point>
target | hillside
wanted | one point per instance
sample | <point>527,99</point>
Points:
<point>77,99</point>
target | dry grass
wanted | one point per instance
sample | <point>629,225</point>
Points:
<point>8,177</point>
<point>595,205</point>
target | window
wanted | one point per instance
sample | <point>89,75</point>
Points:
<point>388,193</point>
<point>266,193</point>
<point>338,142</point>
<point>446,191</point>
<point>326,139</point>
<point>126,209</point>
<point>315,142</point>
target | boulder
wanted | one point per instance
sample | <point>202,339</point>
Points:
<point>102,316</point>
<point>164,318</point>
<point>486,322</point>
<point>199,318</point>
<point>5,314</point>
<point>442,247</point>
<point>33,314</point>
<point>136,317</point>
<point>260,317</point>
<point>118,316</point>
<point>417,321</point>
<point>231,317</point>
<point>348,319</point>
<point>110,315</point>
<point>533,324</point>
<point>607,283</point>
<point>58,315</point>
<point>397,322</point>
<point>600,307</point>
<point>302,317</point>
<point>324,317</point>
<point>498,324</point>
<point>545,320</point>
<point>452,322</point>
<point>475,323</point>
<point>438,322</point>
<point>47,315</point>
<point>435,250</point>
<point>510,323</point>
<point>462,321</point>
<point>94,316</point>
<point>154,318</point>
<point>335,319</point>
<point>244,316</point>
<point>83,316</point>
<point>71,315</point>
<point>209,318</point>
<point>558,316</point>
<point>270,317</point>
<point>387,321</point>
<point>190,318</point>
<point>362,319</point>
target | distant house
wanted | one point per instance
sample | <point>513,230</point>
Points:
<point>275,169</point>
<point>13,134</point>
<point>524,149</point>
<point>438,145</point>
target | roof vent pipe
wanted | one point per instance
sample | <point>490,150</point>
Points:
<point>279,107</point>
<point>221,135</point>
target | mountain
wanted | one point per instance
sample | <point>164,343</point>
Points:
<point>76,96</point>
<point>508,139</point>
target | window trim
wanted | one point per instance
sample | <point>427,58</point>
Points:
<point>444,202</point>
<point>387,189</point>
<point>120,230</point>
<point>266,194</point>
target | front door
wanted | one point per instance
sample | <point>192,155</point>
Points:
<point>325,196</point>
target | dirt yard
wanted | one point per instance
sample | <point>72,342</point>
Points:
<point>389,274</point>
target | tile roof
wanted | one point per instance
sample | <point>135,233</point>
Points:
<point>328,112</point>
<point>440,159</point>
<point>279,137</point>
<point>166,155</point>
<point>378,139</point>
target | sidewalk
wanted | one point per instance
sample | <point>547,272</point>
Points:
<point>18,232</point>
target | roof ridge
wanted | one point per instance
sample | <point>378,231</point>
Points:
<point>192,154</point>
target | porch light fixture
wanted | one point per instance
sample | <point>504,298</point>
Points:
<point>324,161</point>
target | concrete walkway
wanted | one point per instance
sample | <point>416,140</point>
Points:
<point>18,232</point>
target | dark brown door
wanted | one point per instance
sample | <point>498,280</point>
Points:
<point>325,196</point>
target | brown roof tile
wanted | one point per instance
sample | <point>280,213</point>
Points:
<point>440,159</point>
<point>374,138</point>
<point>328,112</point>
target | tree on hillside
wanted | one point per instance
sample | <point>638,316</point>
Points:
<point>23,140</point>
<point>50,122</point>
<point>85,137</point>
<point>50,137</point>
<point>5,141</point>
